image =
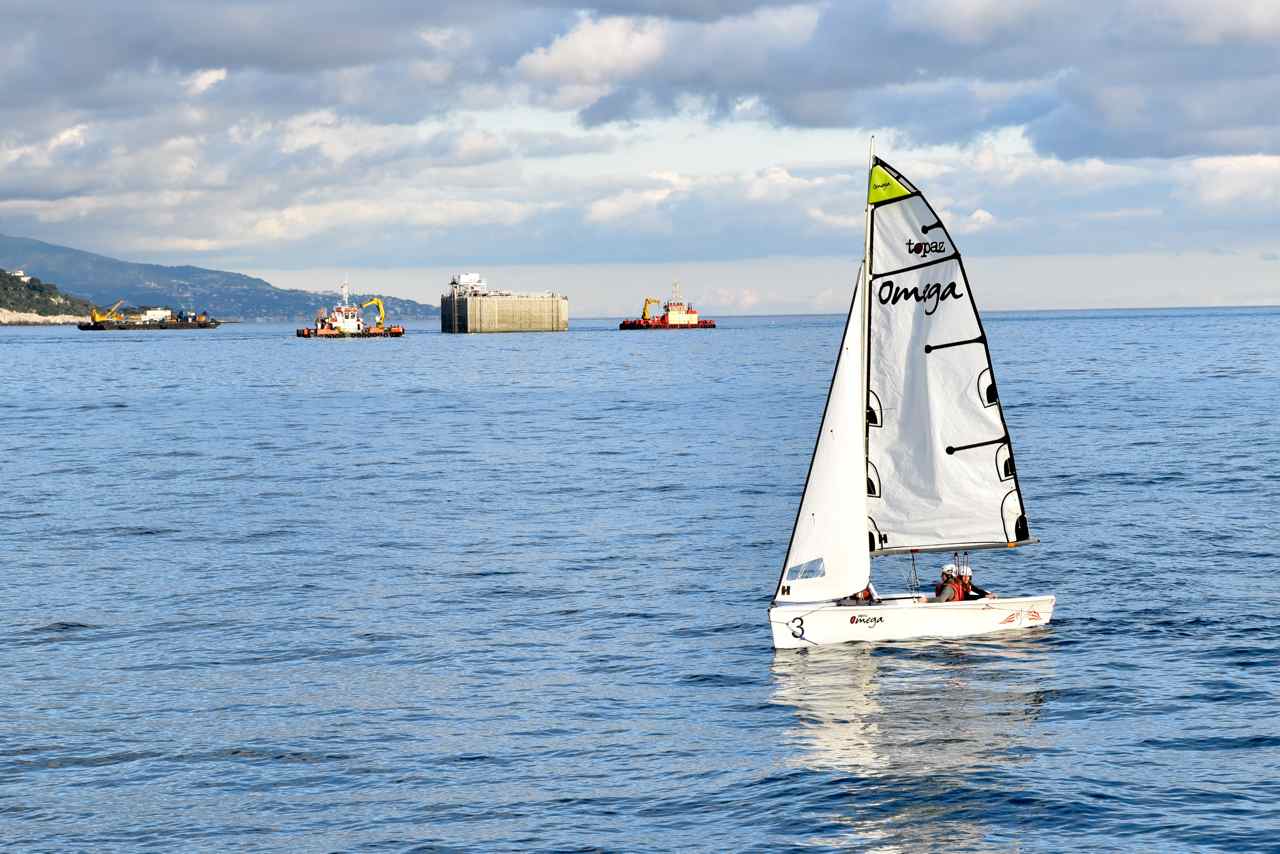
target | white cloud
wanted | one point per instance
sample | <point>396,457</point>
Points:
<point>776,183</point>
<point>976,221</point>
<point>73,137</point>
<point>843,222</point>
<point>1249,182</point>
<point>447,39</point>
<point>632,202</point>
<point>203,81</point>
<point>600,54</point>
<point>598,51</point>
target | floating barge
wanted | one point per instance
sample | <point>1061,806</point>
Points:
<point>346,321</point>
<point>676,314</point>
<point>146,319</point>
<point>471,306</point>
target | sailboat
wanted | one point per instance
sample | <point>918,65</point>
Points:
<point>913,455</point>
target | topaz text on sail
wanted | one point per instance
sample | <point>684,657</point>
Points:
<point>923,248</point>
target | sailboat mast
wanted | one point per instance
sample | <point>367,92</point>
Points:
<point>866,309</point>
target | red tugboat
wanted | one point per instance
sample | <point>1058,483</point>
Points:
<point>677,314</point>
<point>345,321</point>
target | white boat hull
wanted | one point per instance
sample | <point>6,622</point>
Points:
<point>796,626</point>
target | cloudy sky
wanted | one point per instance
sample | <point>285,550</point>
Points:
<point>1083,154</point>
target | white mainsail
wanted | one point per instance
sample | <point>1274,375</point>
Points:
<point>940,471</point>
<point>828,556</point>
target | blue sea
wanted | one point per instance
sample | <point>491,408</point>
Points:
<point>508,593</point>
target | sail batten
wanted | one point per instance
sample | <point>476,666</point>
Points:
<point>914,267</point>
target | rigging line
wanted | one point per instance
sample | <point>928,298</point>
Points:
<point>929,348</point>
<point>953,256</point>
<point>951,449</point>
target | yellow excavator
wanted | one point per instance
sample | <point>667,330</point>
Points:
<point>648,301</point>
<point>110,314</point>
<point>382,312</point>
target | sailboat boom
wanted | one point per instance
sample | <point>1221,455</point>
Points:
<point>954,547</point>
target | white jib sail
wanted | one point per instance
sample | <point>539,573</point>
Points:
<point>940,472</point>
<point>828,556</point>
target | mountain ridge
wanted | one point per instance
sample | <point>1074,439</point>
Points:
<point>227,295</point>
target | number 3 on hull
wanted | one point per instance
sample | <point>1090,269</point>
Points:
<point>913,455</point>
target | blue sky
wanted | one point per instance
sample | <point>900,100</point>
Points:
<point>1082,155</point>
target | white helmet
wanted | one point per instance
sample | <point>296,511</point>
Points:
<point>965,572</point>
<point>949,569</point>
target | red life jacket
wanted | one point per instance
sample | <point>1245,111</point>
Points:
<point>955,587</point>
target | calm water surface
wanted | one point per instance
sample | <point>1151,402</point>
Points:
<point>499,593</point>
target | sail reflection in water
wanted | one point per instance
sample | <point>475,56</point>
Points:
<point>926,742</point>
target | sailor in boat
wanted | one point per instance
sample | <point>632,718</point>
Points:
<point>947,578</point>
<point>867,596</point>
<point>971,590</point>
<point>948,588</point>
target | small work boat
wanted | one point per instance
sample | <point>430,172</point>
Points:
<point>913,441</point>
<point>347,321</point>
<point>676,314</point>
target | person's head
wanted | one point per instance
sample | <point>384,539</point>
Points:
<point>948,571</point>
<point>965,574</point>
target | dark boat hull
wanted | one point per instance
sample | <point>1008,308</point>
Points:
<point>125,326</point>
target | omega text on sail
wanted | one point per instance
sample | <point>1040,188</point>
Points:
<point>929,293</point>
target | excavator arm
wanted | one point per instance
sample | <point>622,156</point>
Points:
<point>648,301</point>
<point>109,314</point>
<point>382,312</point>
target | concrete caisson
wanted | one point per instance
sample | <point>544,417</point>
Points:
<point>470,306</point>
